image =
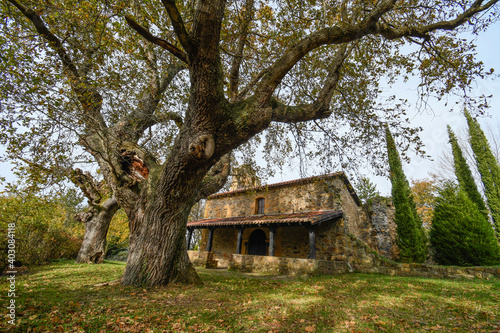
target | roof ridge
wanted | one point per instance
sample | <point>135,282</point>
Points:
<point>279,184</point>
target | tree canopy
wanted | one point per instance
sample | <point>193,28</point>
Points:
<point>464,175</point>
<point>158,93</point>
<point>424,195</point>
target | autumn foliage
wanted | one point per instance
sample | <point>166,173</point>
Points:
<point>424,195</point>
<point>44,229</point>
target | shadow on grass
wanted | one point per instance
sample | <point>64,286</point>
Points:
<point>62,296</point>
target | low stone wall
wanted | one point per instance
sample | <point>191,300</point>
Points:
<point>432,271</point>
<point>361,259</point>
<point>365,260</point>
<point>284,266</point>
<point>202,258</point>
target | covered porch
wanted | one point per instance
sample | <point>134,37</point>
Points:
<point>290,236</point>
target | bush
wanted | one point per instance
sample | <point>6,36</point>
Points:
<point>117,238</point>
<point>460,234</point>
<point>37,244</point>
<point>43,231</point>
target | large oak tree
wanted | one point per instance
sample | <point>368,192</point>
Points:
<point>214,74</point>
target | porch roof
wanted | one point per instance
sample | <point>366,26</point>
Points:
<point>311,218</point>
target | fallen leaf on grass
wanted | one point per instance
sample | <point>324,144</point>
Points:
<point>310,328</point>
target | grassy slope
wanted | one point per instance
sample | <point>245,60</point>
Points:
<point>61,297</point>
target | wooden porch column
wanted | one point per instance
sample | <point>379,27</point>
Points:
<point>210,239</point>
<point>272,237</point>
<point>312,242</point>
<point>239,242</point>
<point>189,235</point>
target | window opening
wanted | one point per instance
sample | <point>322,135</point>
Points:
<point>261,203</point>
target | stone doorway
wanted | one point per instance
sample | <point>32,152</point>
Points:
<point>257,244</point>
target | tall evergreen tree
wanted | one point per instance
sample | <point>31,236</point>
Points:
<point>366,190</point>
<point>411,240</point>
<point>488,168</point>
<point>460,234</point>
<point>464,175</point>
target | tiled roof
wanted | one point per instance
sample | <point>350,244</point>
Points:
<point>315,217</point>
<point>339,174</point>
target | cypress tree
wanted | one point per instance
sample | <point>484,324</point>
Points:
<point>460,233</point>
<point>464,175</point>
<point>411,239</point>
<point>488,168</point>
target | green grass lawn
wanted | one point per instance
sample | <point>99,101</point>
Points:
<point>60,297</point>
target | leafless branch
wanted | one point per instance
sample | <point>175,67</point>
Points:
<point>156,40</point>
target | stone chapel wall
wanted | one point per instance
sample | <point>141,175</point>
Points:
<point>373,223</point>
<point>317,195</point>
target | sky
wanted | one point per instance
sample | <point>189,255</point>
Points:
<point>434,135</point>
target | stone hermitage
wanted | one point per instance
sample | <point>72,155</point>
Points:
<point>309,218</point>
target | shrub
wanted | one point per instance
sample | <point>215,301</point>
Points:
<point>117,238</point>
<point>460,234</point>
<point>43,231</point>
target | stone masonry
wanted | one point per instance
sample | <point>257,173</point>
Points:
<point>330,192</point>
<point>359,238</point>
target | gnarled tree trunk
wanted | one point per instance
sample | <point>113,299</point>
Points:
<point>159,256</point>
<point>97,222</point>
<point>157,252</point>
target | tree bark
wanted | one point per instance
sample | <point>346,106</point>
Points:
<point>157,253</point>
<point>97,224</point>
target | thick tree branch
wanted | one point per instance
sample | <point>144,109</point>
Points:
<point>333,77</point>
<point>90,188</point>
<point>166,117</point>
<point>206,30</point>
<point>251,84</point>
<point>215,178</point>
<point>178,24</point>
<point>333,35</point>
<point>376,13</point>
<point>110,206</point>
<point>152,66</point>
<point>336,35</point>
<point>89,98</point>
<point>156,40</point>
<point>284,64</point>
<point>320,108</point>
<point>49,36</point>
<point>234,73</point>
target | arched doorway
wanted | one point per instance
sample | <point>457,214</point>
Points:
<point>257,244</point>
